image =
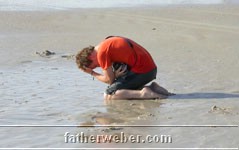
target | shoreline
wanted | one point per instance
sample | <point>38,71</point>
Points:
<point>59,6</point>
<point>149,6</point>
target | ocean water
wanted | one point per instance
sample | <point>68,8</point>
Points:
<point>31,5</point>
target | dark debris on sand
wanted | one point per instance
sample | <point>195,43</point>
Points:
<point>49,54</point>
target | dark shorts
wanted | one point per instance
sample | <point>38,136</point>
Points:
<point>131,81</point>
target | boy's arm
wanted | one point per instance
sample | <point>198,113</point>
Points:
<point>108,74</point>
<point>107,77</point>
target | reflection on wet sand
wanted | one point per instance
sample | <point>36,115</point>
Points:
<point>125,112</point>
<point>128,112</point>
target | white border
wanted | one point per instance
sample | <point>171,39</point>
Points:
<point>38,125</point>
<point>119,148</point>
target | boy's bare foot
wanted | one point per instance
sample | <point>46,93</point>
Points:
<point>160,90</point>
<point>146,92</point>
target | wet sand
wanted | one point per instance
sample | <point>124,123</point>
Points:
<point>195,47</point>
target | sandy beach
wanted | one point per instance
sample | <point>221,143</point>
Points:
<point>195,47</point>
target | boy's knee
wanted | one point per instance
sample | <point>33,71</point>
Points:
<point>107,96</point>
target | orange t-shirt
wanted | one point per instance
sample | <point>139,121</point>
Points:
<point>118,49</point>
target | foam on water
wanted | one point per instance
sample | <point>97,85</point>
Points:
<point>36,5</point>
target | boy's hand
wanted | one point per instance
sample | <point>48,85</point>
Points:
<point>87,70</point>
<point>120,71</point>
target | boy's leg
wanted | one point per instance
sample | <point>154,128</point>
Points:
<point>160,90</point>
<point>132,81</point>
<point>124,94</point>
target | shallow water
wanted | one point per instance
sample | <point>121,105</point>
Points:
<point>45,83</point>
<point>56,93</point>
